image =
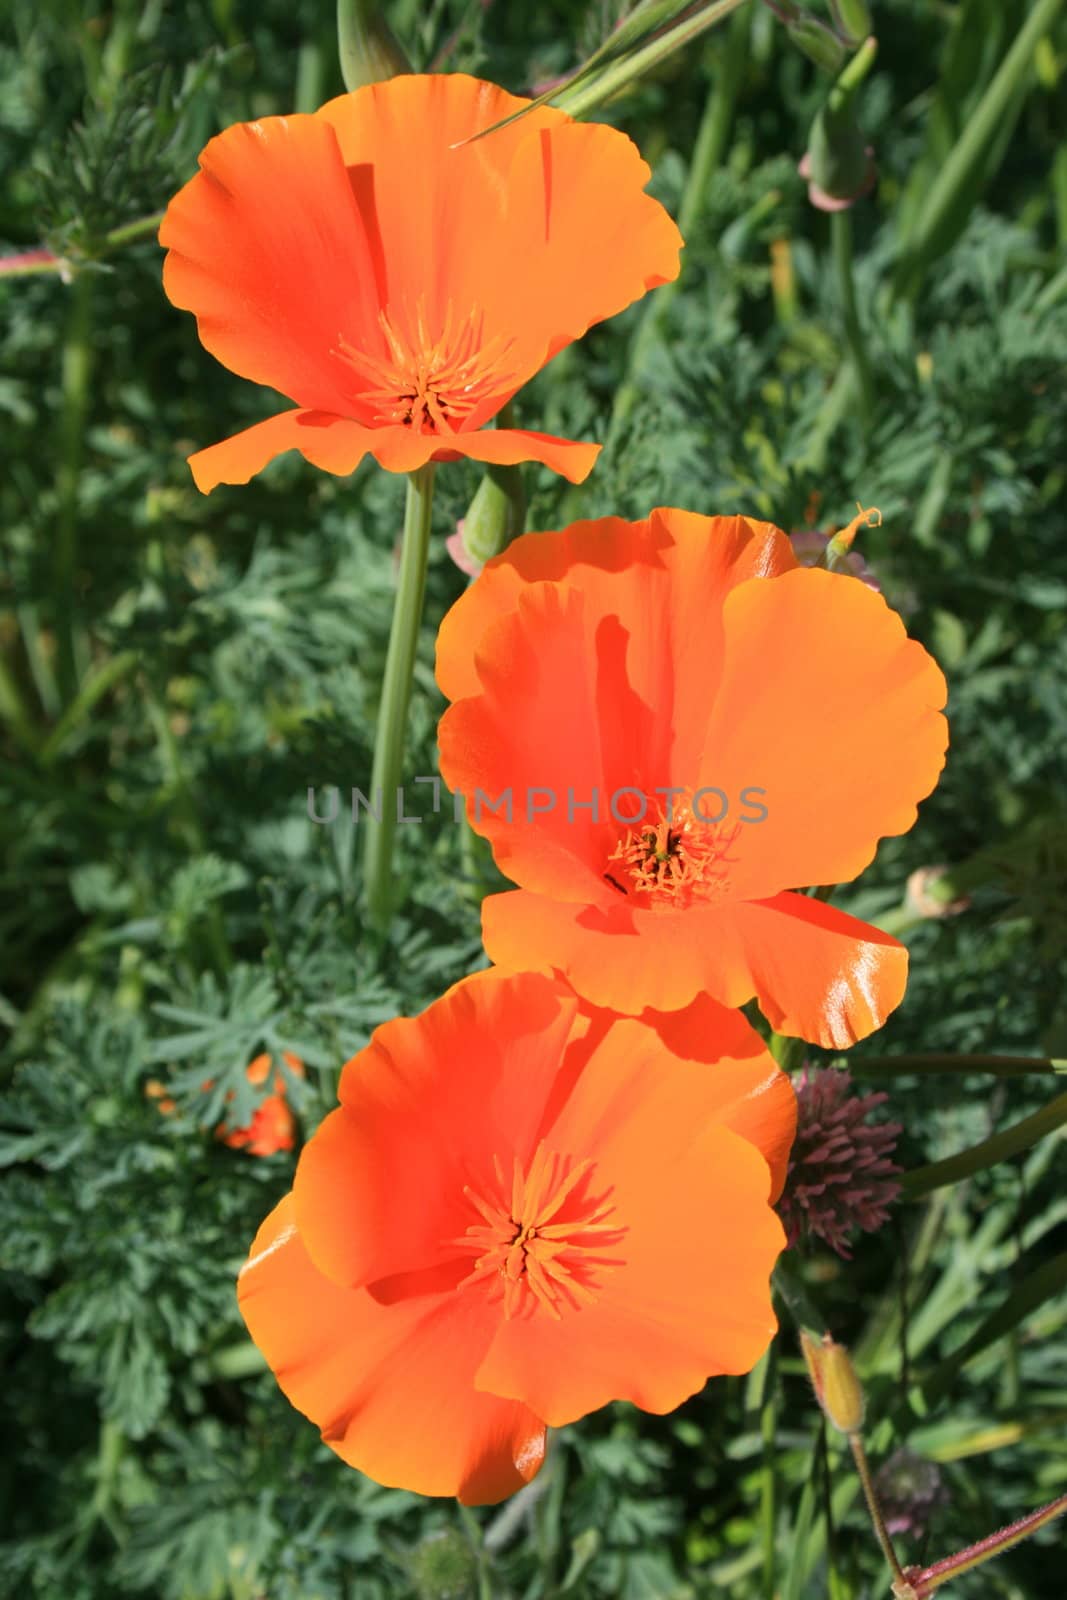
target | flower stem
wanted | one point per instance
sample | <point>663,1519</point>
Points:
<point>933,1061</point>
<point>859,1456</point>
<point>967,165</point>
<point>1011,1142</point>
<point>931,1578</point>
<point>841,238</point>
<point>77,376</point>
<point>616,76</point>
<point>396,696</point>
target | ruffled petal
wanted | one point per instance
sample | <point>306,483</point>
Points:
<point>402,1112</point>
<point>337,444</point>
<point>817,973</point>
<point>390,1382</point>
<point>543,226</point>
<point>755,1097</point>
<point>333,443</point>
<point>665,578</point>
<point>267,248</point>
<point>675,1299</point>
<point>829,711</point>
<point>582,239</point>
<point>507,447</point>
<point>614,957</point>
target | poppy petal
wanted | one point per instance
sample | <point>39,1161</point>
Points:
<point>614,957</point>
<point>338,444</point>
<point>757,1098</point>
<point>267,248</point>
<point>544,226</point>
<point>656,576</point>
<point>817,973</point>
<point>841,728</point>
<point>592,691</point>
<point>673,1302</point>
<point>583,240</point>
<point>433,202</point>
<point>399,1113</point>
<point>333,443</point>
<point>573,459</point>
<point>370,1373</point>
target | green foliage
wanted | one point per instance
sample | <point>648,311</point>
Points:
<point>169,911</point>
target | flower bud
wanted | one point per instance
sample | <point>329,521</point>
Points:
<point>838,164</point>
<point>852,18</point>
<point>837,1388</point>
<point>443,1567</point>
<point>495,516</point>
<point>368,48</point>
<point>818,43</point>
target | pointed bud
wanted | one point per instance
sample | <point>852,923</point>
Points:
<point>833,1376</point>
<point>818,43</point>
<point>852,19</point>
<point>838,164</point>
<point>496,515</point>
<point>368,48</point>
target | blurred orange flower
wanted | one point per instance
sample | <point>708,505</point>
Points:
<point>774,722</point>
<point>400,285</point>
<point>519,1212</point>
<point>272,1127</point>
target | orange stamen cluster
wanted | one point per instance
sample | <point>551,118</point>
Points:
<point>426,384</point>
<point>675,860</point>
<point>524,1249</point>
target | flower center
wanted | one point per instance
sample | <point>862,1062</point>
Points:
<point>540,1235</point>
<point>431,385</point>
<point>679,858</point>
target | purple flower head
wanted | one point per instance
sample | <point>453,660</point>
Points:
<point>910,1489</point>
<point>841,1172</point>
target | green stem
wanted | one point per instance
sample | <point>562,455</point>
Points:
<point>77,376</point>
<point>841,239</point>
<point>1000,1066</point>
<point>769,1472</point>
<point>1000,1147</point>
<point>786,1050</point>
<point>966,156</point>
<point>93,689</point>
<point>14,711</point>
<point>473,1531</point>
<point>396,696</point>
<point>588,96</point>
<point>859,1456</point>
<point>143,228</point>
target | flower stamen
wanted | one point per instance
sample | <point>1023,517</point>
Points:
<point>523,1250</point>
<point>426,383</point>
<point>676,860</point>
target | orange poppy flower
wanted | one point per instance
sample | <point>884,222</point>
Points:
<point>272,1127</point>
<point>744,727</point>
<point>400,289</point>
<point>517,1214</point>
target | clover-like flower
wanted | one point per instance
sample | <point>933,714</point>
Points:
<point>842,1177</point>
